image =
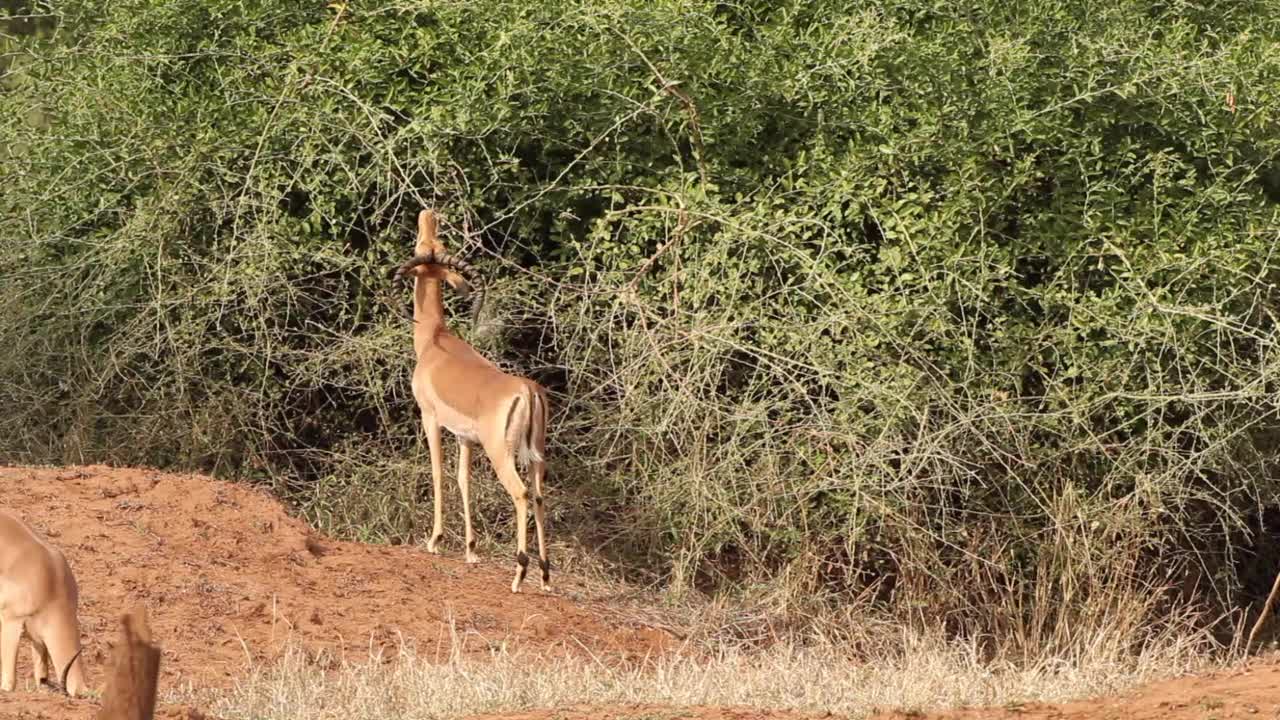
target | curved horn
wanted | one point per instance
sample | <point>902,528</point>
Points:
<point>477,303</point>
<point>453,263</point>
<point>399,272</point>
<point>434,258</point>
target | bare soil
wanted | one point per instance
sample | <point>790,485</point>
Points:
<point>229,578</point>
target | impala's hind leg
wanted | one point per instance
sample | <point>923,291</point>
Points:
<point>538,469</point>
<point>62,638</point>
<point>520,498</point>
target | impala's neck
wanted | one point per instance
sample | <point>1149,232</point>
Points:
<point>428,312</point>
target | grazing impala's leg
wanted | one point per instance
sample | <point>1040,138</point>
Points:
<point>437,481</point>
<point>464,486</point>
<point>38,667</point>
<point>10,633</point>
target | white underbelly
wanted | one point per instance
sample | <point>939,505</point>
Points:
<point>464,434</point>
<point>464,428</point>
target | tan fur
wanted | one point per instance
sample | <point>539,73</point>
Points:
<point>38,595</point>
<point>458,389</point>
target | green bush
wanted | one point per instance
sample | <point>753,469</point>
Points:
<point>914,301</point>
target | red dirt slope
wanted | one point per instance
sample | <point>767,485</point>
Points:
<point>227,576</point>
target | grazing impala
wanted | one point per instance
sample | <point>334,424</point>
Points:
<point>458,389</point>
<point>38,595</point>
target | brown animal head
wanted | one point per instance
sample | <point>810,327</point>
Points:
<point>428,237</point>
<point>430,261</point>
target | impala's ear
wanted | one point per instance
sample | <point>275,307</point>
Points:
<point>436,272</point>
<point>458,283</point>
<point>428,239</point>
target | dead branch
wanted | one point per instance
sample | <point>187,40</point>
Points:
<point>131,689</point>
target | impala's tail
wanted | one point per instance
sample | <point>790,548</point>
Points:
<point>533,450</point>
<point>526,425</point>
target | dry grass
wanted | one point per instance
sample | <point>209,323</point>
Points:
<point>913,671</point>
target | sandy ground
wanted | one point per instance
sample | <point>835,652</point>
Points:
<point>228,578</point>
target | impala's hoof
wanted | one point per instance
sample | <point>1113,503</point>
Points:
<point>433,545</point>
<point>522,567</point>
<point>472,558</point>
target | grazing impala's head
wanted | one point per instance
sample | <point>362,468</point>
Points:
<point>75,679</point>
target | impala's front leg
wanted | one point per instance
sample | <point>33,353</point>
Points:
<point>10,633</point>
<point>437,482</point>
<point>38,667</point>
<point>464,487</point>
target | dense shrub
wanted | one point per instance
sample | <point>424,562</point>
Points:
<point>913,301</point>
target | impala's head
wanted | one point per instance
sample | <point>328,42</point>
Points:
<point>71,681</point>
<point>430,261</point>
<point>427,238</point>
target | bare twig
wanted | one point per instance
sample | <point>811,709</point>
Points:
<point>1265,614</point>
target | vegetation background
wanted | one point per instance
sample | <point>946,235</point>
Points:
<point>961,314</point>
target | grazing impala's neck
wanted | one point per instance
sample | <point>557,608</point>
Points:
<point>428,312</point>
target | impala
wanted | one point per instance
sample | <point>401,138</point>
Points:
<point>458,389</point>
<point>38,595</point>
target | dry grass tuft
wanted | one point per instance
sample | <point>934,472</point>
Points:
<point>911,671</point>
